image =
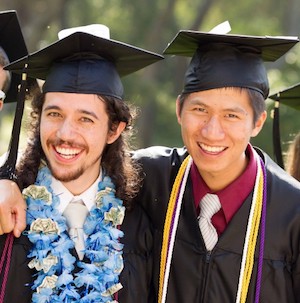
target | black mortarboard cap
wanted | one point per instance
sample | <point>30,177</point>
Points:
<point>225,60</point>
<point>85,63</point>
<point>290,97</point>
<point>13,43</point>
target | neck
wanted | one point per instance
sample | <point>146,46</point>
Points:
<point>76,188</point>
<point>81,184</point>
<point>217,182</point>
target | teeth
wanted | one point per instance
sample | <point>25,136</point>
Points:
<point>212,149</point>
<point>67,152</point>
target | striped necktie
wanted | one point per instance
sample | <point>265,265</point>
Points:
<point>209,205</point>
<point>76,213</point>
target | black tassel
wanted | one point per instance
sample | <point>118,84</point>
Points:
<point>276,137</point>
<point>7,171</point>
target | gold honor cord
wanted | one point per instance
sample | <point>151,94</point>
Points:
<point>251,236</point>
<point>169,230</point>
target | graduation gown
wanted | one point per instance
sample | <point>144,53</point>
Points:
<point>135,277</point>
<point>201,277</point>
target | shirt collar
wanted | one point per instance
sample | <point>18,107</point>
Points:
<point>234,194</point>
<point>66,196</point>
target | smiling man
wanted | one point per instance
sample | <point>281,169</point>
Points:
<point>78,179</point>
<point>226,217</point>
<point>71,140</point>
<point>216,133</point>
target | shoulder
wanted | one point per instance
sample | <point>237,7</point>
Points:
<point>278,179</point>
<point>137,231</point>
<point>137,255</point>
<point>160,155</point>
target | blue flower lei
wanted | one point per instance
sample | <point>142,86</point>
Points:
<point>55,281</point>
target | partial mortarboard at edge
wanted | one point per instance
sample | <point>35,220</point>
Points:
<point>290,97</point>
<point>223,60</point>
<point>85,63</point>
<point>13,43</point>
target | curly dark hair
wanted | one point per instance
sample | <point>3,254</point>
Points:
<point>116,158</point>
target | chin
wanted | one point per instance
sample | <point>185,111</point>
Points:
<point>66,176</point>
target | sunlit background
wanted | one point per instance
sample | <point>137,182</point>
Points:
<point>151,24</point>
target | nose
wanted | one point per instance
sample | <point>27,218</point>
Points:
<point>66,130</point>
<point>212,129</point>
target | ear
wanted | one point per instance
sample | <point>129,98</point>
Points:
<point>115,134</point>
<point>259,124</point>
<point>178,113</point>
<point>1,105</point>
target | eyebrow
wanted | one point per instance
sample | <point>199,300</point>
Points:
<point>198,102</point>
<point>49,107</point>
<point>235,109</point>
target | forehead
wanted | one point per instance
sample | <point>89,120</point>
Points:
<point>220,96</point>
<point>74,102</point>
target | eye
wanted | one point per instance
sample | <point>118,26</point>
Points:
<point>232,116</point>
<point>200,109</point>
<point>86,120</point>
<point>53,114</point>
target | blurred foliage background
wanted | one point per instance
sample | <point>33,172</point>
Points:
<point>151,25</point>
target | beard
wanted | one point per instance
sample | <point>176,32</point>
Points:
<point>71,175</point>
<point>67,177</point>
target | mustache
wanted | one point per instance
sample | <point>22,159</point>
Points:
<point>69,143</point>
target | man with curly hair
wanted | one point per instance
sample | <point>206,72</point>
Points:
<point>77,161</point>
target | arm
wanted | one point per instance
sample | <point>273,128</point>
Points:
<point>12,208</point>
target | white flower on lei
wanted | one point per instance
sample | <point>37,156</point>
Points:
<point>38,193</point>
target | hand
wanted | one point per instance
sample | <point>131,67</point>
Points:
<point>12,208</point>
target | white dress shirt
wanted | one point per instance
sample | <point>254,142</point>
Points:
<point>66,196</point>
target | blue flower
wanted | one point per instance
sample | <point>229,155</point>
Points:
<point>43,296</point>
<point>90,280</point>
<point>115,233</point>
<point>93,298</point>
<point>64,279</point>
<point>88,268</point>
<point>68,294</point>
<point>97,256</point>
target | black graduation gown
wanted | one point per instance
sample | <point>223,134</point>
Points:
<point>198,276</point>
<point>135,277</point>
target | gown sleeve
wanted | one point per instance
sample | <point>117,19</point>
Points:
<point>136,276</point>
<point>19,282</point>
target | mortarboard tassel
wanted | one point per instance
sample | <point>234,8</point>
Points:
<point>7,171</point>
<point>276,136</point>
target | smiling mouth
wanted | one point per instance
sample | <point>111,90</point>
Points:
<point>212,149</point>
<point>67,153</point>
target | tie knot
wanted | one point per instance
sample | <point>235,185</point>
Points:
<point>210,204</point>
<point>76,213</point>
